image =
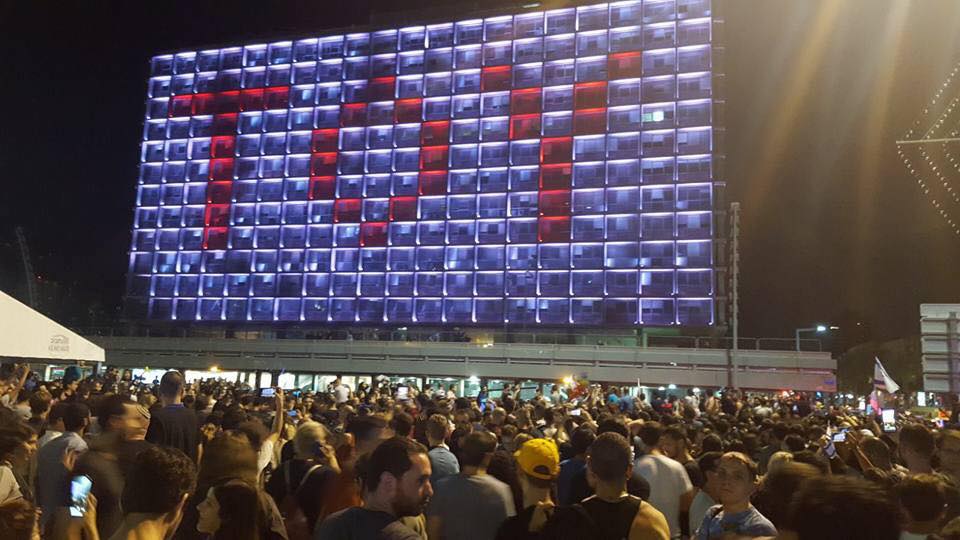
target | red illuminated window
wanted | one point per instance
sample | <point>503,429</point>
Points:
<point>525,126</point>
<point>217,215</point>
<point>588,121</point>
<point>251,99</point>
<point>554,229</point>
<point>554,203</point>
<point>219,192</point>
<point>222,146</point>
<point>625,65</point>
<point>435,133</point>
<point>555,176</point>
<point>221,169</point>
<point>181,105</point>
<point>276,98</point>
<point>408,110</point>
<point>204,104</point>
<point>590,95</point>
<point>324,164</point>
<point>433,183</point>
<point>403,208</point>
<point>225,124</point>
<point>373,234</point>
<point>215,238</point>
<point>525,101</point>
<point>322,188</point>
<point>495,78</point>
<point>433,158</point>
<point>353,114</point>
<point>228,102</point>
<point>324,140</point>
<point>556,150</point>
<point>380,89</point>
<point>346,211</point>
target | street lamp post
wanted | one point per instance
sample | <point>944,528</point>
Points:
<point>820,328</point>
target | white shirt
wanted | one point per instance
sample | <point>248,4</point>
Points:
<point>48,436</point>
<point>698,509</point>
<point>668,482</point>
<point>341,393</point>
<point>9,488</point>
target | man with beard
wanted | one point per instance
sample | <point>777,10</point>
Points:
<point>395,480</point>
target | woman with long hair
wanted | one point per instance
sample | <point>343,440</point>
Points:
<point>232,511</point>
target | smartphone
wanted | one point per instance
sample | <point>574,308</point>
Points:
<point>293,414</point>
<point>403,393</point>
<point>268,392</point>
<point>79,491</point>
<point>889,419</point>
<point>295,393</point>
<point>575,412</point>
<point>840,436</point>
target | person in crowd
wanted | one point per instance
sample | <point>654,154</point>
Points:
<point>842,508</point>
<point>442,461</point>
<point>53,427</point>
<point>232,511</point>
<point>777,489</point>
<point>669,484</point>
<point>923,504</point>
<point>948,451</point>
<point>917,445</point>
<point>709,493</point>
<point>40,403</point>
<point>612,511</point>
<point>19,520</point>
<point>775,437</point>
<point>173,424</point>
<point>490,500</point>
<point>572,484</point>
<point>340,391</point>
<point>18,443</point>
<point>395,480</point>
<point>53,478</point>
<point>779,459</point>
<point>738,481</point>
<point>538,464</point>
<point>160,482</point>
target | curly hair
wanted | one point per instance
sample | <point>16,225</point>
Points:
<point>158,480</point>
<point>12,436</point>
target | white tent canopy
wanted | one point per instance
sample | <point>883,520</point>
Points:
<point>26,333</point>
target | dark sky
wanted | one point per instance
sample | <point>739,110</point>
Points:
<point>817,93</point>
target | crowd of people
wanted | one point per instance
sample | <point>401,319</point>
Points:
<point>108,457</point>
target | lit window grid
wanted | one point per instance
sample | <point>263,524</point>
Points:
<point>276,254</point>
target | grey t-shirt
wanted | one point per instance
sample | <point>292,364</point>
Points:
<point>362,524</point>
<point>471,506</point>
<point>442,464</point>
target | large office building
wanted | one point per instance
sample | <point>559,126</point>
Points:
<point>540,168</point>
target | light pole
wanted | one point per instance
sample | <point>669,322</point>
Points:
<point>820,328</point>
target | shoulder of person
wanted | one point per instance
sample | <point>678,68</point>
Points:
<point>649,523</point>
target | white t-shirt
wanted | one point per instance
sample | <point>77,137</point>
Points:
<point>341,393</point>
<point>9,488</point>
<point>698,508</point>
<point>668,482</point>
<point>48,436</point>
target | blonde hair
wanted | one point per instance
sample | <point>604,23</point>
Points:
<point>777,460</point>
<point>307,437</point>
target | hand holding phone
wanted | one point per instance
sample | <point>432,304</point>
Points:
<point>889,420</point>
<point>79,492</point>
<point>267,392</point>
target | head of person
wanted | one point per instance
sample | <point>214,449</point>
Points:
<point>840,508</point>
<point>779,459</point>
<point>396,475</point>
<point>780,485</point>
<point>232,510</point>
<point>19,520</point>
<point>673,442</point>
<point>438,428</point>
<point>55,417</point>
<point>129,420</point>
<point>738,478</point>
<point>793,443</point>
<point>40,404</point>
<point>76,417</point>
<point>18,442</point>
<point>158,485</point>
<point>916,446</point>
<point>309,440</point>
<point>172,386</point>
<point>709,463</point>
<point>650,433</point>
<point>368,432</point>
<point>228,456</point>
<point>877,452</point>
<point>476,449</point>
<point>581,440</point>
<point>538,464</point>
<point>922,499</point>
<point>401,424</point>
<point>610,460</point>
<point>711,443</point>
<point>948,448</point>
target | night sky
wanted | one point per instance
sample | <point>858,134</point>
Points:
<point>833,227</point>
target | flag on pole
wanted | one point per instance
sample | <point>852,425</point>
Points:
<point>882,380</point>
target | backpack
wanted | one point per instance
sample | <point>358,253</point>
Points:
<point>294,519</point>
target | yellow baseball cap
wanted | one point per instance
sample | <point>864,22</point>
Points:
<point>539,458</point>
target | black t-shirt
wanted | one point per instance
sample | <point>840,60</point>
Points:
<point>637,486</point>
<point>175,426</point>
<point>362,524</point>
<point>612,519</point>
<point>518,526</point>
<point>310,493</point>
<point>694,473</point>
